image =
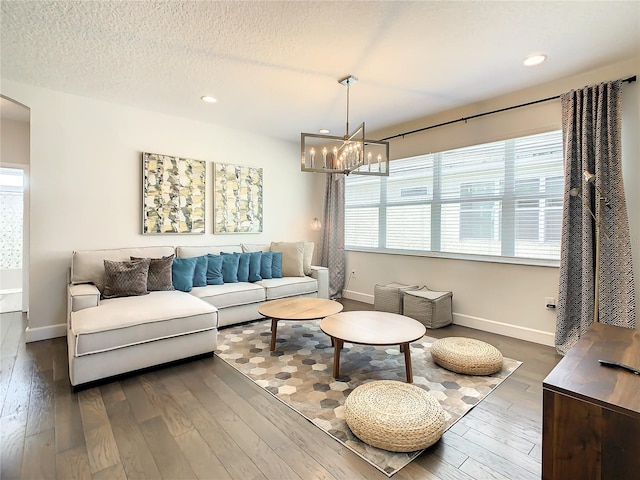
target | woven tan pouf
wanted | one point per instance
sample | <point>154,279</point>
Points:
<point>395,416</point>
<point>466,355</point>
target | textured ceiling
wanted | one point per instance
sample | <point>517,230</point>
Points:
<point>274,66</point>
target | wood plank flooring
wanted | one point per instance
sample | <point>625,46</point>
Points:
<point>204,420</point>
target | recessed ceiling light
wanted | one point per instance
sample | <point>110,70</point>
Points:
<point>324,130</point>
<point>535,59</point>
<point>208,99</point>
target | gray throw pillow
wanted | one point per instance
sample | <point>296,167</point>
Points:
<point>159,273</point>
<point>125,279</point>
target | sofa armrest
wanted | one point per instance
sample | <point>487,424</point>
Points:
<point>321,274</point>
<point>81,296</point>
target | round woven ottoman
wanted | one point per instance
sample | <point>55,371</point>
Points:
<point>466,355</point>
<point>395,416</point>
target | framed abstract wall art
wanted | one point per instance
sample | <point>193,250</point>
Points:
<point>238,199</point>
<point>173,194</point>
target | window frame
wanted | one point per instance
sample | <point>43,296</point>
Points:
<point>505,198</point>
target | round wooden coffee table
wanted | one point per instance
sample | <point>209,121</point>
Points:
<point>372,328</point>
<point>299,308</point>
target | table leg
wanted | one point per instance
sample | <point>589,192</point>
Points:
<point>336,356</point>
<point>274,330</point>
<point>407,361</point>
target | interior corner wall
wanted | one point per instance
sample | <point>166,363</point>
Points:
<point>86,185</point>
<point>502,298</point>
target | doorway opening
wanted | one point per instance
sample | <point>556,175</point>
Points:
<point>12,181</point>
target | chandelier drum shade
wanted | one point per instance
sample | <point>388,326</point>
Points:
<point>352,153</point>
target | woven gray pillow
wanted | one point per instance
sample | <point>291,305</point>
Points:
<point>159,273</point>
<point>125,279</point>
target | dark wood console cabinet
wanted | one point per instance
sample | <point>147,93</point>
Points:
<point>591,413</point>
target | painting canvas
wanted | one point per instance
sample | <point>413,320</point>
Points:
<point>238,199</point>
<point>173,194</point>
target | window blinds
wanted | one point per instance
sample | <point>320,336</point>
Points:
<point>496,199</point>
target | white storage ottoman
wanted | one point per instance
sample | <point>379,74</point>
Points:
<point>431,308</point>
<point>388,298</point>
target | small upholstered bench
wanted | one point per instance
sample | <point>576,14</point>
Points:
<point>433,309</point>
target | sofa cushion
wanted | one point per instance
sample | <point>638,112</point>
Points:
<point>230,294</point>
<point>230,268</point>
<point>126,321</point>
<point>266,264</point>
<point>214,270</point>
<point>87,266</point>
<point>182,273</point>
<point>255,265</point>
<point>159,273</point>
<point>255,247</point>
<point>199,250</point>
<point>292,257</point>
<point>288,287</point>
<point>123,279</point>
<point>200,273</point>
<point>243,265</point>
<point>276,265</point>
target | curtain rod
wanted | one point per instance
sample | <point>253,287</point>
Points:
<point>464,119</point>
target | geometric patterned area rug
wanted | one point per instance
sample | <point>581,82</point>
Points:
<point>299,373</point>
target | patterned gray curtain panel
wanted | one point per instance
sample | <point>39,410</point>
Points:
<point>332,242</point>
<point>591,130</point>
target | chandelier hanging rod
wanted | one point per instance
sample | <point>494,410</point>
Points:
<point>347,81</point>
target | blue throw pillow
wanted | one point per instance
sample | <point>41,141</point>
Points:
<point>266,262</point>
<point>182,273</point>
<point>200,274</point>
<point>230,268</point>
<point>214,270</point>
<point>243,265</point>
<point>276,265</point>
<point>255,259</point>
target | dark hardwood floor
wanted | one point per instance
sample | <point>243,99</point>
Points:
<point>202,419</point>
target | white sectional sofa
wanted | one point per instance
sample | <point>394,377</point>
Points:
<point>108,337</point>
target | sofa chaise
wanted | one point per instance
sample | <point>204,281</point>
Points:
<point>109,337</point>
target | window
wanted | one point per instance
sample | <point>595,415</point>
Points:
<point>477,218</point>
<point>500,199</point>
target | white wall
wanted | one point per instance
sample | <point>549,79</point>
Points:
<point>86,185</point>
<point>502,298</point>
<point>86,179</point>
<point>14,148</point>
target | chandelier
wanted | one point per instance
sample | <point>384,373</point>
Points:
<point>352,153</point>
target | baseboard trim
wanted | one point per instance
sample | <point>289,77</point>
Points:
<point>513,331</point>
<point>360,297</point>
<point>45,333</point>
